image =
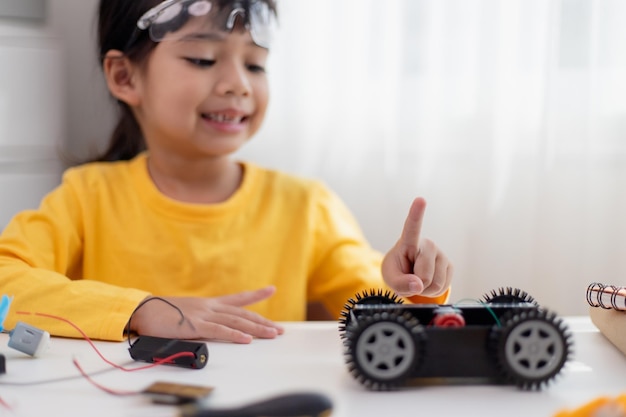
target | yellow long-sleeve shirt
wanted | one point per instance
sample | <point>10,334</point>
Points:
<point>106,238</point>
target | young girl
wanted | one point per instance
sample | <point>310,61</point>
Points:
<point>166,234</point>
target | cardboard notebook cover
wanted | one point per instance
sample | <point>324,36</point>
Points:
<point>612,324</point>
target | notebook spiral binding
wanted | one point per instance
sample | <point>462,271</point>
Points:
<point>606,296</point>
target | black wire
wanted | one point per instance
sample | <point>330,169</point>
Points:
<point>144,302</point>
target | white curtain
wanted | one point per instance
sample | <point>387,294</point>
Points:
<point>508,116</point>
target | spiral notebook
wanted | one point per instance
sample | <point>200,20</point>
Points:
<point>608,312</point>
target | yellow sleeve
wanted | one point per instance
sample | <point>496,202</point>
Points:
<point>39,251</point>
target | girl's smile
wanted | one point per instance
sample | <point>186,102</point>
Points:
<point>228,121</point>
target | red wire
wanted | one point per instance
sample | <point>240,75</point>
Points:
<point>5,404</point>
<point>102,387</point>
<point>158,362</point>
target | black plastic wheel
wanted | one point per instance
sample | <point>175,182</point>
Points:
<point>531,347</point>
<point>383,349</point>
<point>508,295</point>
<point>366,297</point>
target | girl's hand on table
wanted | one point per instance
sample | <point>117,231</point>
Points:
<point>221,318</point>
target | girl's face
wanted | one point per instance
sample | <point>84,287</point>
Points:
<point>202,93</point>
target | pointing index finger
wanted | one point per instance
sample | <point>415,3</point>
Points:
<point>413,223</point>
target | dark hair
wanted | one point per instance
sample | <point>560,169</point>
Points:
<point>117,30</point>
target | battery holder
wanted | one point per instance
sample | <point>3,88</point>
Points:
<point>153,349</point>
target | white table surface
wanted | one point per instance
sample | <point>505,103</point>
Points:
<point>308,357</point>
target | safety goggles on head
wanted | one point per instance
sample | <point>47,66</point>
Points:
<point>171,15</point>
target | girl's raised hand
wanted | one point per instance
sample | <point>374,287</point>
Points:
<point>416,266</point>
<point>221,318</point>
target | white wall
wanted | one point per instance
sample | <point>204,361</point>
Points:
<point>32,113</point>
<point>53,104</point>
